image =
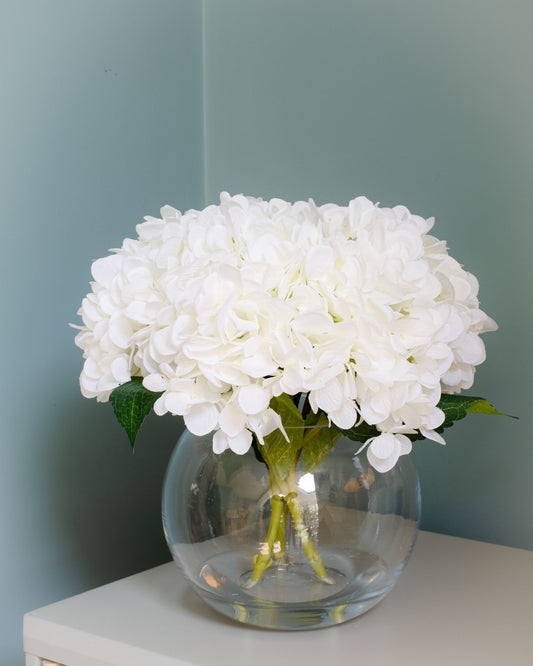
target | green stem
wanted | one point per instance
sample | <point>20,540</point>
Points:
<point>279,544</point>
<point>264,558</point>
<point>285,501</point>
<point>314,558</point>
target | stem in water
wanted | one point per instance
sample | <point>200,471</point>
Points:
<point>279,544</point>
<point>284,502</point>
<point>264,558</point>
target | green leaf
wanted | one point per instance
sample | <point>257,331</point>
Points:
<point>280,455</point>
<point>362,432</point>
<point>483,407</point>
<point>257,446</point>
<point>456,407</point>
<point>318,440</point>
<point>132,403</point>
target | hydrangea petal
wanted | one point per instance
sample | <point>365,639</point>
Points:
<point>431,434</point>
<point>331,397</point>
<point>220,442</point>
<point>253,399</point>
<point>120,370</point>
<point>231,420</point>
<point>319,261</point>
<point>241,443</point>
<point>382,464</point>
<point>345,417</point>
<point>178,403</point>
<point>201,419</point>
<point>105,269</point>
<point>384,446</point>
<point>155,382</point>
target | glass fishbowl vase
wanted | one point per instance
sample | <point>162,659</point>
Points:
<point>323,553</point>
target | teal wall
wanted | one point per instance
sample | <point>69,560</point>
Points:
<point>100,124</point>
<point>429,104</point>
<point>102,121</point>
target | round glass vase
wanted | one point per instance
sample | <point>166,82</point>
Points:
<point>326,552</point>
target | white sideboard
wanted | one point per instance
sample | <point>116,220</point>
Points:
<point>458,602</point>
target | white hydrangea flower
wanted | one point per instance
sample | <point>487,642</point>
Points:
<point>224,308</point>
<point>384,450</point>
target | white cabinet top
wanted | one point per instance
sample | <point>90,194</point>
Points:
<point>458,602</point>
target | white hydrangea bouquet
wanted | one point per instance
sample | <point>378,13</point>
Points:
<point>284,326</point>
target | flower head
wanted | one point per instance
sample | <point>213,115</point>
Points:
<point>224,308</point>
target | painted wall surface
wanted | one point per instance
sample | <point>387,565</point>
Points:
<point>421,103</point>
<point>100,124</point>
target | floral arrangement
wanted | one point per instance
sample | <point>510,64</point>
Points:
<point>261,320</point>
